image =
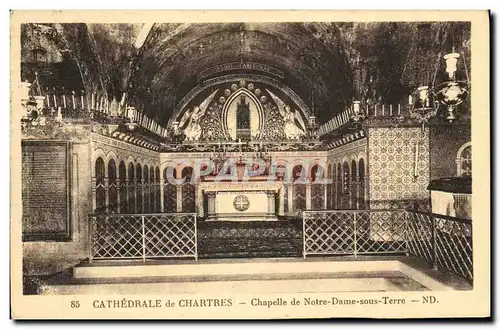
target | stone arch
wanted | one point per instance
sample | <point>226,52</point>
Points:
<point>100,170</point>
<point>320,164</point>
<point>111,155</point>
<point>237,77</point>
<point>97,153</point>
<point>458,159</point>
<point>138,160</point>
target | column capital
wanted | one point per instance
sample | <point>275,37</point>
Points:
<point>211,194</point>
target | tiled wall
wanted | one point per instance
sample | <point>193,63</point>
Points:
<point>394,181</point>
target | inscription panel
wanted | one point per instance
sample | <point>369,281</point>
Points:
<point>46,190</point>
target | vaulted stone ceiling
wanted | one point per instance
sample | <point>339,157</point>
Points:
<point>174,55</point>
<point>158,64</point>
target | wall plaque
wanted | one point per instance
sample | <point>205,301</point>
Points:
<point>46,190</point>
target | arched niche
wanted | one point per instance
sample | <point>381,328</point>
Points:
<point>229,78</point>
<point>216,106</point>
<point>229,117</point>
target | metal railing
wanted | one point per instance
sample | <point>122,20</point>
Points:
<point>341,232</point>
<point>143,236</point>
<point>442,241</point>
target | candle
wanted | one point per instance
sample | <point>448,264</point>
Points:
<point>383,109</point>
<point>375,111</point>
<point>73,96</point>
<point>55,101</point>
<point>399,109</point>
<point>48,101</point>
<point>390,110</point>
<point>410,99</point>
<point>89,103</point>
<point>81,96</point>
<point>64,101</point>
<point>93,101</point>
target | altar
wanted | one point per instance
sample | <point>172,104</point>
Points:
<point>240,201</point>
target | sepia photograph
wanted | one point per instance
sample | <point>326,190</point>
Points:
<point>260,166</point>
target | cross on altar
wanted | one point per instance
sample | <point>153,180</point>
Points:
<point>241,203</point>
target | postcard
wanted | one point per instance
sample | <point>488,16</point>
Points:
<point>250,164</point>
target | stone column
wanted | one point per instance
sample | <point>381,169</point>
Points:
<point>271,203</point>
<point>327,197</point>
<point>106,193</point>
<point>281,210</point>
<point>211,205</point>
<point>290,198</point>
<point>118,190</point>
<point>308,196</point>
<point>357,193</point>
<point>162,194</point>
<point>94,194</point>
<point>198,199</point>
<point>334,195</point>
<point>179,198</point>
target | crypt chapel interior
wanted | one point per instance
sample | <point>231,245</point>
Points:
<point>168,141</point>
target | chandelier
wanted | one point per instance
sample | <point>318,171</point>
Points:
<point>357,113</point>
<point>424,103</point>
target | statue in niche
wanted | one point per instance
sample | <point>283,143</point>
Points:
<point>294,124</point>
<point>243,114</point>
<point>190,121</point>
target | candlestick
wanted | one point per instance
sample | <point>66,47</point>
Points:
<point>87,102</point>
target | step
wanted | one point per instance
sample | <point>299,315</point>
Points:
<point>169,268</point>
<point>238,285</point>
<point>237,276</point>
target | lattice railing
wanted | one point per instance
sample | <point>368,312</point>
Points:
<point>443,241</point>
<point>337,232</point>
<point>142,236</point>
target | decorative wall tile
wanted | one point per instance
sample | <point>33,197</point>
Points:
<point>396,172</point>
